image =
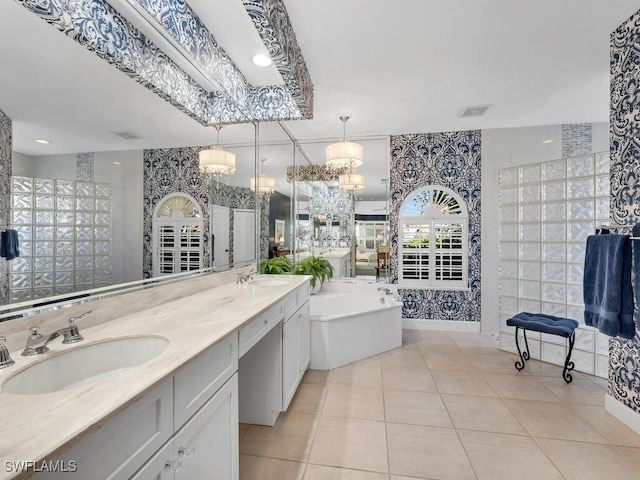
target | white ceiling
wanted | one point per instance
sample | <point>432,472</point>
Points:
<point>396,67</point>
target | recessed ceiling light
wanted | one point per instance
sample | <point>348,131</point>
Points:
<point>548,140</point>
<point>261,60</point>
<point>43,141</point>
<point>116,163</point>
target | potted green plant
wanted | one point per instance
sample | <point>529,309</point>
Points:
<point>276,266</point>
<point>319,269</point>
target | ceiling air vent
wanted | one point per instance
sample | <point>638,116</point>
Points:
<point>474,111</point>
<point>127,135</point>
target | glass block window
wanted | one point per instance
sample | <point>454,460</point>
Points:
<point>546,212</point>
<point>433,249</point>
<point>177,235</point>
<point>63,227</point>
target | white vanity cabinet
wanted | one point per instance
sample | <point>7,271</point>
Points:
<point>187,428</point>
<point>118,448</point>
<point>205,447</point>
<point>296,351</point>
<point>271,369</point>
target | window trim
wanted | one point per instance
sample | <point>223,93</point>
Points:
<point>433,219</point>
<point>178,222</point>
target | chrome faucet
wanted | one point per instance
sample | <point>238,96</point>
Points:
<point>37,343</point>
<point>5,357</point>
<point>385,290</point>
<point>244,277</point>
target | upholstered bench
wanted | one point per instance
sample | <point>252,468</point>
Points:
<point>539,322</point>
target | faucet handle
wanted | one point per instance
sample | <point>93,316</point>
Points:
<point>72,333</point>
<point>5,357</point>
<point>35,333</point>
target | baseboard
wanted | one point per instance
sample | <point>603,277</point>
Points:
<point>441,325</point>
<point>623,413</point>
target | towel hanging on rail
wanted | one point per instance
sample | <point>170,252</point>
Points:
<point>636,270</point>
<point>9,245</point>
<point>607,289</point>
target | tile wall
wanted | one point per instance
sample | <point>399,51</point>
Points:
<point>65,236</point>
<point>547,210</point>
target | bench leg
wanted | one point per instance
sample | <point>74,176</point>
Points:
<point>524,356</point>
<point>568,364</point>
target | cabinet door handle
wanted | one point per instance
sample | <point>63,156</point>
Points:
<point>173,465</point>
<point>186,451</point>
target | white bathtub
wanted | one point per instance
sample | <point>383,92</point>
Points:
<point>352,321</point>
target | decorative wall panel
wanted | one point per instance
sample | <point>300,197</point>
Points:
<point>167,171</point>
<point>5,188</point>
<point>172,170</point>
<point>577,139</point>
<point>274,27</point>
<point>450,159</point>
<point>84,167</point>
<point>624,355</point>
<point>100,28</point>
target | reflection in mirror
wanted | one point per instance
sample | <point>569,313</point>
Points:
<point>84,203</point>
<point>350,229</point>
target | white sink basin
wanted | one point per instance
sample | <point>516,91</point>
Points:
<point>84,365</point>
<point>269,282</point>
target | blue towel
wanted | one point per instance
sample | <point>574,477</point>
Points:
<point>608,293</point>
<point>636,268</point>
<point>9,247</point>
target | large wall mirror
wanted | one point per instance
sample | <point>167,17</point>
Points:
<point>84,203</point>
<point>83,186</point>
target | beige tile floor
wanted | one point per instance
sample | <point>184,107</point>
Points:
<point>443,406</point>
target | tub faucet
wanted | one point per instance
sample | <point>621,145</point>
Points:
<point>385,290</point>
<point>37,343</point>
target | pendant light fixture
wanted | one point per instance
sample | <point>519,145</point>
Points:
<point>217,161</point>
<point>343,154</point>
<point>263,184</point>
<point>351,182</point>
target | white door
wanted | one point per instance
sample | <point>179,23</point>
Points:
<point>244,237</point>
<point>220,236</point>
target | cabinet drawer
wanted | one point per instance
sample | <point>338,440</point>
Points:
<point>251,333</point>
<point>199,380</point>
<point>294,299</point>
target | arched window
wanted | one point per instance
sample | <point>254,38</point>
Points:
<point>432,244</point>
<point>177,235</point>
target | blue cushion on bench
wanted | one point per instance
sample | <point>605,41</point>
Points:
<point>539,322</point>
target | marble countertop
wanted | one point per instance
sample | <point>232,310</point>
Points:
<point>37,427</point>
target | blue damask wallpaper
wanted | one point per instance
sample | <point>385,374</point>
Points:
<point>166,171</point>
<point>624,355</point>
<point>173,170</point>
<point>5,188</point>
<point>450,159</point>
<point>100,28</point>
